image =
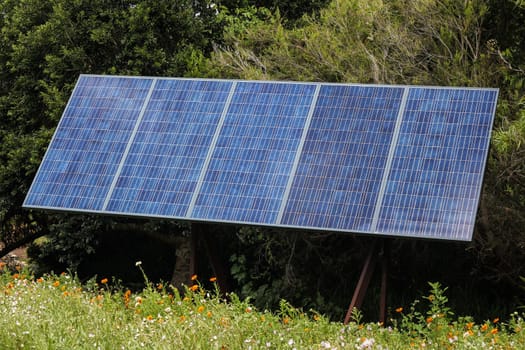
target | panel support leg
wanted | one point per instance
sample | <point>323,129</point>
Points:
<point>219,269</point>
<point>366,276</point>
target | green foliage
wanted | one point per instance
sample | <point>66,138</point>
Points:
<point>58,312</point>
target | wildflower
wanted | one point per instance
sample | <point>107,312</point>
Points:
<point>56,283</point>
<point>468,333</point>
<point>325,345</point>
<point>182,318</point>
<point>430,319</point>
<point>484,327</point>
<point>40,280</point>
<point>138,301</point>
<point>2,265</point>
<point>317,317</point>
<point>208,314</point>
<point>494,331</point>
<point>248,309</point>
<point>138,263</point>
<point>194,287</point>
<point>286,320</point>
<point>149,317</point>
<point>194,277</point>
<point>200,309</point>
<point>367,343</point>
<point>213,279</point>
<point>470,325</point>
<point>291,342</point>
<point>104,281</point>
<point>496,320</point>
<point>399,310</point>
<point>160,286</point>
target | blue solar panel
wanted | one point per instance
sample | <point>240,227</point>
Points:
<point>435,180</point>
<point>163,165</point>
<point>391,160</point>
<point>251,163</point>
<point>88,145</point>
<point>340,171</point>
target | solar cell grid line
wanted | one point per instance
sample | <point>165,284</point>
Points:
<point>128,146</point>
<point>254,153</point>
<point>436,177</point>
<point>298,154</point>
<point>85,150</point>
<point>173,139</point>
<point>339,172</point>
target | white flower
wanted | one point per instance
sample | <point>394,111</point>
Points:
<point>325,345</point>
<point>367,343</point>
<point>138,263</point>
<point>291,342</point>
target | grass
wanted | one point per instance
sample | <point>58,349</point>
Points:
<point>58,312</point>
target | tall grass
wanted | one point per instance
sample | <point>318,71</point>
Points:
<point>58,312</point>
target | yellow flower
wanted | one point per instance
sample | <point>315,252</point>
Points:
<point>149,317</point>
<point>317,317</point>
<point>399,310</point>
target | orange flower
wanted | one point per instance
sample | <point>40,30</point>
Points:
<point>160,286</point>
<point>399,310</point>
<point>56,283</point>
<point>470,325</point>
<point>2,265</point>
<point>194,287</point>
<point>149,317</point>
<point>104,281</point>
<point>429,319</point>
<point>484,327</point>
<point>213,279</point>
<point>494,331</point>
<point>286,320</point>
<point>200,309</point>
<point>496,320</point>
<point>317,317</point>
<point>194,277</point>
<point>208,314</point>
<point>40,280</point>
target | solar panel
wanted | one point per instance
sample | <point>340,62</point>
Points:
<point>388,160</point>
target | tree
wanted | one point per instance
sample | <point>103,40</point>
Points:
<point>47,44</point>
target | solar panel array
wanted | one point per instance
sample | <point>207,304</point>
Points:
<point>390,160</point>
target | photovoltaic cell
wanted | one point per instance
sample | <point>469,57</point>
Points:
<point>435,181</point>
<point>251,163</point>
<point>87,147</point>
<point>389,160</point>
<point>171,144</point>
<point>340,170</point>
